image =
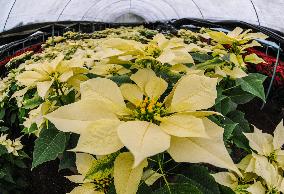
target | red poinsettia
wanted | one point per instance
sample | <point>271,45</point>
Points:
<point>267,67</point>
<point>35,48</point>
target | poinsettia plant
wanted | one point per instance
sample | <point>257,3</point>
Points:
<point>128,107</point>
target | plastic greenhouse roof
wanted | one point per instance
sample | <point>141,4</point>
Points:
<point>268,13</point>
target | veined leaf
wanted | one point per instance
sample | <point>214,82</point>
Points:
<point>32,102</point>
<point>50,143</point>
<point>201,57</point>
<point>253,84</point>
<point>122,79</point>
<point>243,126</point>
<point>229,127</point>
<point>67,161</point>
<point>239,96</point>
<point>239,117</point>
<point>224,105</point>
<point>202,179</point>
<point>31,129</point>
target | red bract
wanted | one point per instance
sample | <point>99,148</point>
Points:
<point>268,67</point>
<point>35,48</point>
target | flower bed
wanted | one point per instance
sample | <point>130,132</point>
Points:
<point>18,55</point>
<point>132,110</point>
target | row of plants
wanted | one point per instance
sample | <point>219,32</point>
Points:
<point>14,59</point>
<point>267,67</point>
<point>132,110</point>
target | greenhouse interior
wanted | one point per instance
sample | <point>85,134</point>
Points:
<point>142,97</point>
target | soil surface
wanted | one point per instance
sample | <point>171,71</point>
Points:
<point>45,179</point>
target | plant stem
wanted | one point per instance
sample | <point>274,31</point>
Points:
<point>152,160</point>
<point>168,161</point>
<point>163,174</point>
<point>229,88</point>
<point>173,167</point>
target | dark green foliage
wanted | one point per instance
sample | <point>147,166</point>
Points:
<point>253,84</point>
<point>49,145</point>
<point>31,103</point>
<point>201,57</point>
<point>122,79</point>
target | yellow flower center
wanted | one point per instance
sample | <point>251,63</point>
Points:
<point>149,110</point>
<point>112,70</point>
<point>153,50</point>
<point>234,48</point>
<point>149,62</point>
<point>54,75</point>
<point>272,157</point>
<point>103,184</point>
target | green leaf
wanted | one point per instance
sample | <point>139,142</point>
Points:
<point>49,145</point>
<point>143,189</point>
<point>3,150</point>
<point>253,84</point>
<point>69,98</point>
<point>2,173</point>
<point>13,118</point>
<point>229,127</point>
<point>226,190</point>
<point>102,168</point>
<point>224,105</point>
<point>239,117</point>
<point>23,154</point>
<point>239,96</point>
<point>3,129</point>
<point>201,178</point>
<point>210,64</point>
<point>30,130</point>
<point>67,161</point>
<point>20,163</point>
<point>179,188</point>
<point>22,114</point>
<point>33,102</point>
<point>198,176</point>
<point>2,113</point>
<point>201,57</point>
<point>121,79</point>
<point>6,170</point>
<point>243,126</point>
<point>240,140</point>
<point>111,189</point>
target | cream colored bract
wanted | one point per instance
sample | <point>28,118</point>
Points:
<point>106,124</point>
<point>44,75</point>
<point>261,170</point>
